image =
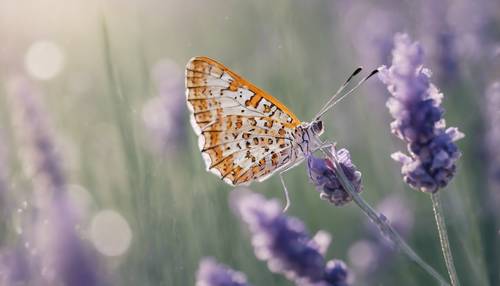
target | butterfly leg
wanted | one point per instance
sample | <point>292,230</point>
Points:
<point>287,197</point>
<point>285,189</point>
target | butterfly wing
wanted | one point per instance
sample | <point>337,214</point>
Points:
<point>243,132</point>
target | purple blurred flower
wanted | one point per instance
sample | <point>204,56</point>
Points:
<point>473,23</point>
<point>57,254</point>
<point>283,241</point>
<point>163,114</point>
<point>460,38</point>
<point>322,174</point>
<point>14,266</point>
<point>439,38</point>
<point>4,192</point>
<point>493,136</point>
<point>398,212</point>
<point>372,37</point>
<point>3,164</point>
<point>41,161</point>
<point>336,273</point>
<point>366,255</point>
<point>430,164</point>
<point>64,256</point>
<point>210,273</point>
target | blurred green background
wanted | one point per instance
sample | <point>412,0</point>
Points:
<point>110,60</point>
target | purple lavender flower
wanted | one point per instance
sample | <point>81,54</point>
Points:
<point>4,192</point>
<point>430,164</point>
<point>472,22</point>
<point>210,273</point>
<point>58,255</point>
<point>336,273</point>
<point>14,266</point>
<point>365,255</point>
<point>372,37</point>
<point>40,156</point>
<point>440,39</point>
<point>322,174</point>
<point>493,136</point>
<point>163,115</point>
<point>398,212</point>
<point>283,241</point>
<point>74,261</point>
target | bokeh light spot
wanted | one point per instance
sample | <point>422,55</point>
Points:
<point>44,60</point>
<point>110,233</point>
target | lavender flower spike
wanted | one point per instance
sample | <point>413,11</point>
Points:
<point>282,241</point>
<point>163,114</point>
<point>61,256</point>
<point>210,273</point>
<point>493,135</point>
<point>322,174</point>
<point>415,106</point>
<point>336,273</point>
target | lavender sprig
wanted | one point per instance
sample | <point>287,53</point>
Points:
<point>440,39</point>
<point>210,273</point>
<point>336,274</point>
<point>366,253</point>
<point>379,220</point>
<point>322,175</point>
<point>57,254</point>
<point>418,121</point>
<point>415,106</point>
<point>372,43</point>
<point>163,114</point>
<point>492,138</point>
<point>5,209</point>
<point>285,244</point>
<point>14,266</point>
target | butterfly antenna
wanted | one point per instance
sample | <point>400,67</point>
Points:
<point>332,104</point>
<point>341,88</point>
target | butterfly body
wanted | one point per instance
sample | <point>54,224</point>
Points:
<point>244,134</point>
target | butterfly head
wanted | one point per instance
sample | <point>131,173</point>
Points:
<point>317,127</point>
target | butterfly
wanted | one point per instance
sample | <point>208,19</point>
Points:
<point>244,133</point>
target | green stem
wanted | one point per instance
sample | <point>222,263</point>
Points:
<point>443,238</point>
<point>382,223</point>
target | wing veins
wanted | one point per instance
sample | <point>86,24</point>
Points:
<point>214,108</point>
<point>206,85</point>
<point>239,104</point>
<point>206,97</point>
<point>257,160</point>
<point>235,152</point>
<point>239,140</point>
<point>205,73</point>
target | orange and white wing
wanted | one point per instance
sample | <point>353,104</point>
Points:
<point>243,132</point>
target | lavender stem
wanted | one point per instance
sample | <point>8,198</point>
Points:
<point>382,224</point>
<point>443,238</point>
